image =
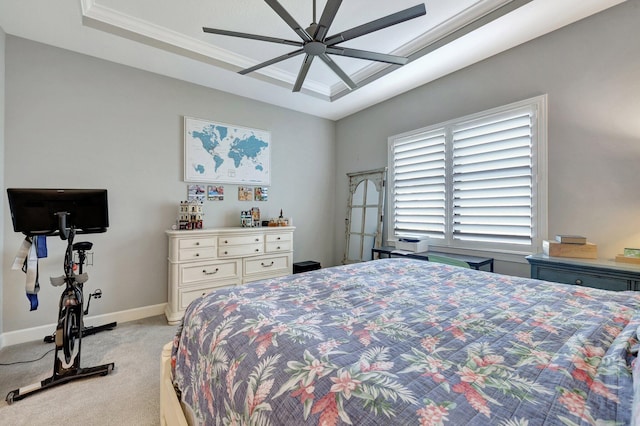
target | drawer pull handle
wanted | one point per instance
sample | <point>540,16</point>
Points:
<point>267,266</point>
<point>278,238</point>
<point>278,248</point>
<point>257,239</point>
<point>226,242</point>
<point>226,252</point>
<point>578,282</point>
<point>204,271</point>
<point>197,243</point>
<point>257,250</point>
<point>197,254</point>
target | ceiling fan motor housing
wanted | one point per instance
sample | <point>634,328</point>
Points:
<point>314,48</point>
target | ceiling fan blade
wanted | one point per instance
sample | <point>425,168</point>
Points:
<point>304,69</point>
<point>343,76</point>
<point>251,36</point>
<point>378,24</point>
<point>328,15</point>
<point>271,61</point>
<point>282,12</point>
<point>371,56</point>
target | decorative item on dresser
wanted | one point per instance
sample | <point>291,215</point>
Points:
<point>203,260</point>
<point>597,273</point>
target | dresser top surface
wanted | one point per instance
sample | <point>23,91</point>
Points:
<point>609,264</point>
<point>228,230</point>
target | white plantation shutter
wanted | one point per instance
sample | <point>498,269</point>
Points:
<point>492,179</point>
<point>419,185</point>
<point>473,182</point>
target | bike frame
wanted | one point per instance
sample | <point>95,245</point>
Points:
<point>68,337</point>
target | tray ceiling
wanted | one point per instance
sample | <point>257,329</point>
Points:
<point>167,38</point>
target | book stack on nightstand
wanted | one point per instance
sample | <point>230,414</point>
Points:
<point>570,246</point>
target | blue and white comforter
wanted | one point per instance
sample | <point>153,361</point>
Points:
<point>407,342</point>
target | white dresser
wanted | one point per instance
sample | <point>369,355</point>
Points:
<point>203,260</point>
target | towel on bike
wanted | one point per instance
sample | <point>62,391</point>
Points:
<point>27,259</point>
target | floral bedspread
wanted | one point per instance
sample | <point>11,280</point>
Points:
<point>407,342</point>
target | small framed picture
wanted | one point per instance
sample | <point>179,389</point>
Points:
<point>196,192</point>
<point>261,193</point>
<point>215,193</point>
<point>245,193</point>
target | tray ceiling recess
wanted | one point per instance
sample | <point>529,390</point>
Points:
<point>420,30</point>
<point>317,43</point>
<point>168,38</point>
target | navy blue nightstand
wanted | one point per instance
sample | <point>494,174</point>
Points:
<point>597,273</point>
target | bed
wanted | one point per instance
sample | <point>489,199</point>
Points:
<point>402,341</point>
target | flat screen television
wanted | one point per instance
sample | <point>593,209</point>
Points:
<point>34,211</point>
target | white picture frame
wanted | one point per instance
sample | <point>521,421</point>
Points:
<point>226,153</point>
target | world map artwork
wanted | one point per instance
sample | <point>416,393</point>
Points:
<point>224,153</point>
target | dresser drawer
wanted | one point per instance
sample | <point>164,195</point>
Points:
<point>285,236</point>
<point>189,295</point>
<point>194,273</point>
<point>196,254</point>
<point>271,266</point>
<point>583,279</point>
<point>235,240</point>
<point>189,243</point>
<point>245,250</point>
<point>279,246</point>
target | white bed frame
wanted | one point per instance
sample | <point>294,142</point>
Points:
<point>171,413</point>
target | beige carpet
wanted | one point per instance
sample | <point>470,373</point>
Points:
<point>129,395</point>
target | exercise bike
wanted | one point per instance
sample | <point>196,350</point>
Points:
<point>81,248</point>
<point>70,326</point>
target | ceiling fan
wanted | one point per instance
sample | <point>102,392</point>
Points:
<point>315,42</point>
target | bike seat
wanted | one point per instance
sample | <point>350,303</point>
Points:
<point>83,245</point>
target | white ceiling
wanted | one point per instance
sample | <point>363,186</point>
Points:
<point>166,37</point>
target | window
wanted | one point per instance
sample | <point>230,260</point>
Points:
<point>477,182</point>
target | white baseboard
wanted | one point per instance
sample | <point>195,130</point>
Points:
<point>38,333</point>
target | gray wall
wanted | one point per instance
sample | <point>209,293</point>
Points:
<point>591,72</point>
<point>77,121</point>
